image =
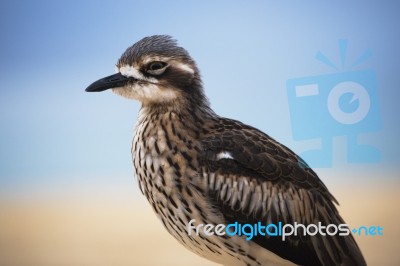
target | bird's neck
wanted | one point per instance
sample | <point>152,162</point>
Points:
<point>196,109</point>
<point>171,129</point>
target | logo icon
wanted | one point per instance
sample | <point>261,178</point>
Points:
<point>344,103</point>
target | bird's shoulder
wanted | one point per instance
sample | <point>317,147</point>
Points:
<point>233,147</point>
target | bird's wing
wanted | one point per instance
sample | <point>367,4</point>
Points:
<point>252,178</point>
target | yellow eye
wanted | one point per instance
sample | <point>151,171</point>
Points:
<point>156,68</point>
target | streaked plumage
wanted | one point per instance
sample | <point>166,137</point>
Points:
<point>193,164</point>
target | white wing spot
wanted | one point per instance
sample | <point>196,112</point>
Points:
<point>224,155</point>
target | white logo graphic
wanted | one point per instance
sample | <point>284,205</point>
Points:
<point>359,93</point>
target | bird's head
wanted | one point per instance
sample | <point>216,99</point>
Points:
<point>157,72</point>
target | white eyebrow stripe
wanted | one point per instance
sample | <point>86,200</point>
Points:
<point>224,155</point>
<point>155,58</point>
<point>130,71</point>
<point>185,67</point>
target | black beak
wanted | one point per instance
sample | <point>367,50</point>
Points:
<point>113,81</point>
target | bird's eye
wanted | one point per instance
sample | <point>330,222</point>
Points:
<point>156,68</point>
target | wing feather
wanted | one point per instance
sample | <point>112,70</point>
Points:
<point>265,181</point>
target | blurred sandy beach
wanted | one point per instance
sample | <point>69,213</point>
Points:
<point>122,230</point>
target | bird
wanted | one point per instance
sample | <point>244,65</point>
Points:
<point>196,167</point>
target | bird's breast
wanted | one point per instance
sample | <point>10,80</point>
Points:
<point>167,169</point>
<point>165,161</point>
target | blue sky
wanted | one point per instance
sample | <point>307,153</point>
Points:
<point>53,133</point>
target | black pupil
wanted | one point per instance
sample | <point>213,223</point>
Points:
<point>156,66</point>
